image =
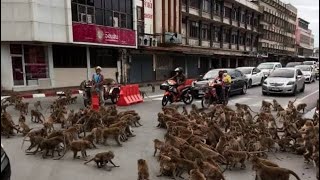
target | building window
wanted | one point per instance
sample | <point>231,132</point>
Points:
<point>98,57</point>
<point>242,16</point>
<point>234,14</point>
<point>206,6</point>
<point>227,12</point>
<point>217,8</point>
<point>241,39</point>
<point>226,36</point>
<point>36,65</point>
<point>234,37</point>
<point>140,17</point>
<point>248,40</point>
<point>249,19</point>
<point>194,4</point>
<point>205,32</point>
<point>69,57</point>
<point>116,13</point>
<point>184,2</point>
<point>216,34</point>
<point>194,29</point>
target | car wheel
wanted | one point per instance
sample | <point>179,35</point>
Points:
<point>244,89</point>
<point>261,82</point>
<point>302,90</point>
<point>250,83</point>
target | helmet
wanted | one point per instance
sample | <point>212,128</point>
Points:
<point>98,67</point>
<point>178,69</point>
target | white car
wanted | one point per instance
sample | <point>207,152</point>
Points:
<point>312,63</point>
<point>267,67</point>
<point>308,72</point>
<point>253,74</point>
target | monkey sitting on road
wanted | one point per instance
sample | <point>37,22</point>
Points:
<point>102,159</point>
<point>143,170</point>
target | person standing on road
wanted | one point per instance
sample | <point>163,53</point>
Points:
<point>97,79</point>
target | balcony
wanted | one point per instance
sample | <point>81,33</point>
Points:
<point>205,43</point>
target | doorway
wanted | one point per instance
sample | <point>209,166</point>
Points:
<point>18,71</point>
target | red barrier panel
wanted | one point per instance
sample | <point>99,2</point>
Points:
<point>123,99</point>
<point>136,93</point>
<point>189,82</point>
<point>131,94</point>
<point>95,101</point>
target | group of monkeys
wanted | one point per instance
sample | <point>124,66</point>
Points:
<point>201,142</point>
<point>198,142</point>
<point>103,124</point>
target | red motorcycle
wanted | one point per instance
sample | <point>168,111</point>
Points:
<point>211,97</point>
<point>171,94</point>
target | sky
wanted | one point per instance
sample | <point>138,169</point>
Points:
<point>309,11</point>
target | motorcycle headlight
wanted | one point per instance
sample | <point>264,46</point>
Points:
<point>290,83</point>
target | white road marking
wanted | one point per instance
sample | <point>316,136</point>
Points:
<point>156,96</point>
<point>38,95</point>
<point>300,100</point>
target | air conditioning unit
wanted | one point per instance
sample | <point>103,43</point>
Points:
<point>115,22</point>
<point>154,42</point>
<point>144,40</point>
<point>89,18</point>
<point>83,17</point>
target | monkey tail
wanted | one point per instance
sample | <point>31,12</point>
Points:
<point>252,110</point>
<point>89,161</point>
<point>294,174</point>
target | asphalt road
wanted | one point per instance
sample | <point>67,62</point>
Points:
<point>35,168</point>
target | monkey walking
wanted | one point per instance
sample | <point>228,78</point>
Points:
<point>102,159</point>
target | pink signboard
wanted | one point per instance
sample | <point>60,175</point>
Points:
<point>102,34</point>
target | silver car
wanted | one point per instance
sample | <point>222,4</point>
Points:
<point>268,67</point>
<point>308,72</point>
<point>284,81</point>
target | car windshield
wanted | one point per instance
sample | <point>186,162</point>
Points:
<point>265,66</point>
<point>283,73</point>
<point>292,64</point>
<point>304,68</point>
<point>308,62</point>
<point>211,74</point>
<point>245,70</point>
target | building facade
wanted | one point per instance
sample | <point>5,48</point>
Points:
<point>304,39</point>
<point>277,28</point>
<point>58,43</point>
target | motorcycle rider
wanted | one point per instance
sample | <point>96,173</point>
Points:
<point>218,84</point>
<point>98,79</point>
<point>180,79</point>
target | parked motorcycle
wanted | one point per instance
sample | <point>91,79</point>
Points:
<point>171,94</point>
<point>211,97</point>
<point>111,91</point>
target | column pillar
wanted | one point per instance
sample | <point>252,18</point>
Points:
<point>88,62</point>
<point>50,64</point>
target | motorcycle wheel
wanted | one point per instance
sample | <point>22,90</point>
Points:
<point>86,102</point>
<point>165,100</point>
<point>187,97</point>
<point>115,98</point>
<point>206,102</point>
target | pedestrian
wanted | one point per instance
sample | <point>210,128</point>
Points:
<point>98,80</point>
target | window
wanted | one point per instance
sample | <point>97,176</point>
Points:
<point>139,14</point>
<point>140,25</point>
<point>194,29</point>
<point>216,34</point>
<point>241,39</point>
<point>205,32</point>
<point>249,19</point>
<point>103,57</point>
<point>206,6</point>
<point>36,65</point>
<point>227,12</point>
<point>242,16</point>
<point>234,14</point>
<point>194,4</point>
<point>248,40</point>
<point>184,2</point>
<point>234,37</point>
<point>116,13</point>
<point>217,8</point>
<point>226,36</point>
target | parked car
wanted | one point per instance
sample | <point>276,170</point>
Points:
<point>293,64</point>
<point>268,67</point>
<point>253,74</point>
<point>308,73</point>
<point>284,81</point>
<point>313,63</point>
<point>5,165</point>
<point>238,84</point>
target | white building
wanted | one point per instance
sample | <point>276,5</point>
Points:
<point>48,44</point>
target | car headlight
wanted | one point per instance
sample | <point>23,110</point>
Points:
<point>291,83</point>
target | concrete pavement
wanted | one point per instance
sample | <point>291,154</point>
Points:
<point>35,168</point>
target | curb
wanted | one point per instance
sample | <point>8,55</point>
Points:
<point>47,94</point>
<point>310,113</point>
